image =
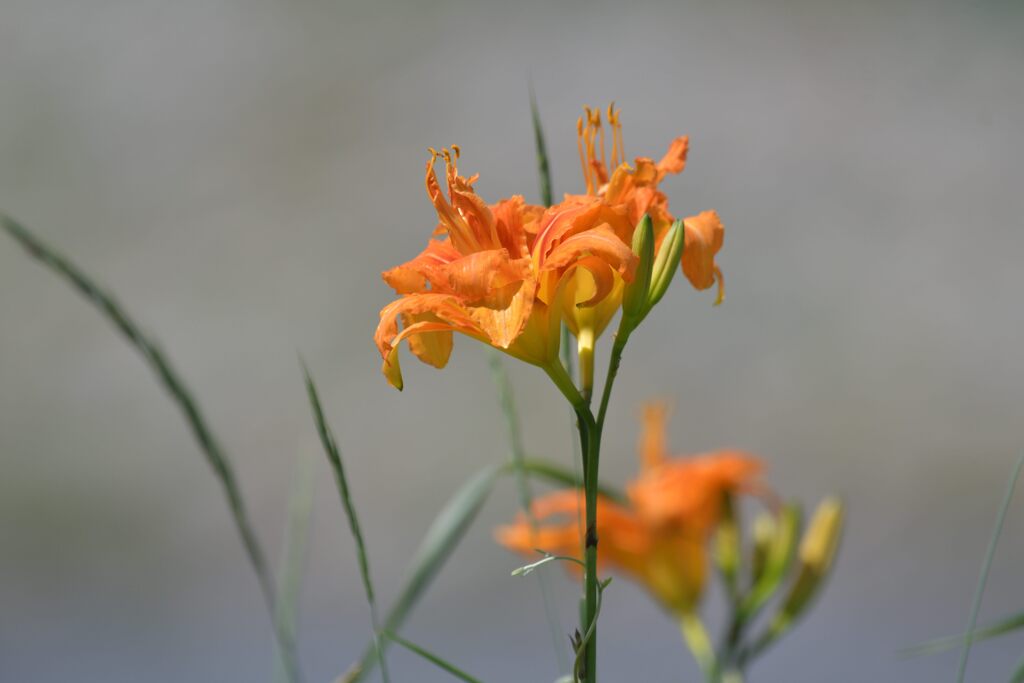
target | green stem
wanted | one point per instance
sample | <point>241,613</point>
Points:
<point>590,439</point>
<point>613,370</point>
<point>590,594</point>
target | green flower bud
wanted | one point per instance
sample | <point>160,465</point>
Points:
<point>635,295</point>
<point>666,264</point>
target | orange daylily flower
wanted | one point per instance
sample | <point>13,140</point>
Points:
<point>497,274</point>
<point>629,192</point>
<point>659,535</point>
<point>669,562</point>
<point>687,490</point>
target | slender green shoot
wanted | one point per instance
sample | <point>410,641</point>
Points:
<point>548,557</point>
<point>1018,673</point>
<point>999,628</point>
<point>544,469</point>
<point>432,658</point>
<point>979,591</point>
<point>293,558</point>
<point>515,440</point>
<point>161,366</point>
<point>543,166</point>
<point>334,457</point>
<point>439,542</point>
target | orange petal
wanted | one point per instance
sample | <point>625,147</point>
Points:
<point>652,435</point>
<point>704,234</point>
<point>486,278</point>
<point>433,347</point>
<point>511,218</point>
<point>504,325</point>
<point>600,241</point>
<point>674,160</point>
<point>392,368</point>
<point>440,312</point>
<point>412,276</point>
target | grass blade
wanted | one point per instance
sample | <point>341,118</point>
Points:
<point>515,439</point>
<point>293,557</point>
<point>181,395</point>
<point>999,628</point>
<point>543,167</point>
<point>444,534</point>
<point>334,457</point>
<point>433,659</point>
<point>1018,674</point>
<point>972,620</point>
<point>543,469</point>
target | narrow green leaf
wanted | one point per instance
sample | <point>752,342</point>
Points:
<point>293,557</point>
<point>334,457</point>
<point>1018,674</point>
<point>543,167</point>
<point>506,400</point>
<point>433,659</point>
<point>544,469</point>
<point>165,373</point>
<point>1007,625</point>
<point>444,534</point>
<point>979,591</point>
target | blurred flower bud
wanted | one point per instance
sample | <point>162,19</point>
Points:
<point>818,549</point>
<point>775,538</point>
<point>727,545</point>
<point>765,530</point>
<point>817,555</point>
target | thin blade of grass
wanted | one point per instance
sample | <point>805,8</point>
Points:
<point>444,534</point>
<point>999,628</point>
<point>543,469</point>
<point>433,659</point>
<point>979,591</point>
<point>543,166</point>
<point>182,396</point>
<point>293,556</point>
<point>515,439</point>
<point>1018,674</point>
<point>334,457</point>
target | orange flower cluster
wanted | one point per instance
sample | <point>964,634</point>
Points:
<point>508,274</point>
<point>658,535</point>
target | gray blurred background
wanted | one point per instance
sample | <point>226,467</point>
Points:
<point>240,173</point>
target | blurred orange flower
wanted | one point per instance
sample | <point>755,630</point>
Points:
<point>659,535</point>
<point>497,274</point>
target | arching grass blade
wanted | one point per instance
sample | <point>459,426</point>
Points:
<point>181,395</point>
